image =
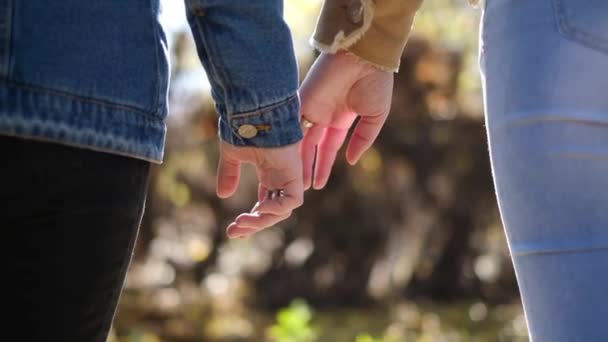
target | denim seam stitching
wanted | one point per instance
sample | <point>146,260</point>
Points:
<point>521,253</point>
<point>213,72</point>
<point>574,34</point>
<point>263,110</point>
<point>234,137</point>
<point>149,116</point>
<point>157,101</point>
<point>6,58</point>
<point>216,64</point>
<point>210,59</point>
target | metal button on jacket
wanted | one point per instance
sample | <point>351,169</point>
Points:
<point>354,11</point>
<point>248,131</point>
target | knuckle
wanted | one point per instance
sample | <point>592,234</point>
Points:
<point>298,203</point>
<point>364,139</point>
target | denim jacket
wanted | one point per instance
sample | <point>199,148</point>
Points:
<point>94,74</point>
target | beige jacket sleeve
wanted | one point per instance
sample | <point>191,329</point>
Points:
<point>374,30</point>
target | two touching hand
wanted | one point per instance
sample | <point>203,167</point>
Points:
<point>338,89</point>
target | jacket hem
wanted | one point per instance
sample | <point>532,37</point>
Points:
<point>48,116</point>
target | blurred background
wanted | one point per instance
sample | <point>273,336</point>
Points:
<point>405,246</point>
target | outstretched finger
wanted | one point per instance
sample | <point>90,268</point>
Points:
<point>259,221</point>
<point>332,140</point>
<point>308,150</point>
<point>234,231</point>
<point>262,192</point>
<point>363,136</point>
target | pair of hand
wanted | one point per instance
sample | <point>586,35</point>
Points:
<point>337,90</point>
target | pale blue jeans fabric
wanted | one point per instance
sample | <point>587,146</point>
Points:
<point>545,73</point>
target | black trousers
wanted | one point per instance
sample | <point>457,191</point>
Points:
<point>69,219</point>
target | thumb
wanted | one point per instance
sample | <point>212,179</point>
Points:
<point>228,175</point>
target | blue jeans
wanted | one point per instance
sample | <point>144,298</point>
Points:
<point>545,71</point>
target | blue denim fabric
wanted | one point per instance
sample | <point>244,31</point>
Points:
<point>246,48</point>
<point>95,73</point>
<point>545,67</point>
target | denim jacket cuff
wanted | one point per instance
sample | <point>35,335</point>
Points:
<point>275,125</point>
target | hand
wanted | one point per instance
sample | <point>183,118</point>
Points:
<point>277,168</point>
<point>338,88</point>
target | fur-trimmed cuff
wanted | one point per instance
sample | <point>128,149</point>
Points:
<point>342,24</point>
<point>375,31</point>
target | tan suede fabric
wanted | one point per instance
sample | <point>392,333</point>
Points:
<point>374,30</point>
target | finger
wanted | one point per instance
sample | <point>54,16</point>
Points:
<point>363,136</point>
<point>228,174</point>
<point>332,140</point>
<point>292,197</point>
<point>259,221</point>
<point>255,207</point>
<point>308,150</point>
<point>262,192</point>
<point>234,231</point>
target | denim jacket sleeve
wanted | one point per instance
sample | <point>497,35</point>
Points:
<point>246,49</point>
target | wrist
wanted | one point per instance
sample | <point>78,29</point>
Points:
<point>363,64</point>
